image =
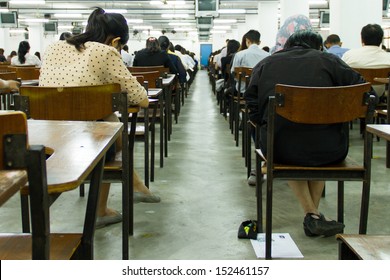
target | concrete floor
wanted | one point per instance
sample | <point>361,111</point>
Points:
<point>205,197</point>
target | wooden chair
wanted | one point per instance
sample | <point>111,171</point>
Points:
<point>363,247</point>
<point>242,76</point>
<point>40,244</point>
<point>378,77</point>
<point>87,103</point>
<point>25,72</point>
<point>323,105</point>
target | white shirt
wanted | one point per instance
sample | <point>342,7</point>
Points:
<point>367,57</point>
<point>127,58</point>
<point>31,59</point>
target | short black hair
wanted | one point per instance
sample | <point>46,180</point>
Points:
<point>304,38</point>
<point>164,42</point>
<point>253,36</point>
<point>333,39</point>
<point>372,35</point>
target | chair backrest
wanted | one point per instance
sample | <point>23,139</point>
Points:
<point>81,103</point>
<point>4,68</point>
<point>370,74</point>
<point>138,69</point>
<point>25,72</point>
<point>11,122</point>
<point>322,105</point>
<point>153,78</point>
<point>242,75</point>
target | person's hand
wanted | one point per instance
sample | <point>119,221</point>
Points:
<point>14,85</point>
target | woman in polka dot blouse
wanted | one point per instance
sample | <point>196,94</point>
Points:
<point>93,58</point>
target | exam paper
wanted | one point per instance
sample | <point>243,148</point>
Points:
<point>282,246</point>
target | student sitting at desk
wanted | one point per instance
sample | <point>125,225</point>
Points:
<point>93,58</point>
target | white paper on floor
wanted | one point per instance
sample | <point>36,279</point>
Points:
<point>282,246</point>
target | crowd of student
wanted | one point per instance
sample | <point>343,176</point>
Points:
<point>299,57</point>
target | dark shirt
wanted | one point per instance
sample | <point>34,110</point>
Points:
<point>300,144</point>
<point>224,62</point>
<point>146,58</point>
<point>2,58</point>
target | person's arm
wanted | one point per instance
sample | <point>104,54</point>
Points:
<point>117,72</point>
<point>251,96</point>
<point>10,84</point>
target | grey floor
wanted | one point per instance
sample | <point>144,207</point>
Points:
<point>205,197</point>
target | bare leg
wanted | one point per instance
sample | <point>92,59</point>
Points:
<point>316,188</point>
<point>102,206</point>
<point>302,191</point>
<point>139,186</point>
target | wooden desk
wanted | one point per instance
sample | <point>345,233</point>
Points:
<point>77,150</point>
<point>363,247</point>
<point>74,147</point>
<point>380,130</point>
<point>10,183</point>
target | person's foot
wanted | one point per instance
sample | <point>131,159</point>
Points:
<point>146,198</point>
<point>111,217</point>
<point>317,224</point>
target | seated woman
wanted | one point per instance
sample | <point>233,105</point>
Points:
<point>24,57</point>
<point>93,58</point>
<point>153,56</point>
<point>302,63</point>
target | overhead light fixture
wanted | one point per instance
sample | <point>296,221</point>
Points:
<point>18,31</point>
<point>318,2</point>
<point>156,3</point>
<point>34,19</point>
<point>179,23</point>
<point>217,31</point>
<point>175,15</point>
<point>224,27</point>
<point>225,20</point>
<point>4,10</point>
<point>184,29</point>
<point>65,27</point>
<point>135,20</point>
<point>232,11</point>
<point>152,32</point>
<point>68,15</point>
<point>117,11</point>
<point>177,2</point>
<point>30,2</point>
<point>142,27</point>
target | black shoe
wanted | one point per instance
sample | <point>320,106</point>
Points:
<point>315,225</point>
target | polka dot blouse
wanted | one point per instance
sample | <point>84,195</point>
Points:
<point>63,65</point>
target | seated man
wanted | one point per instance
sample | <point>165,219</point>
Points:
<point>370,55</point>
<point>334,45</point>
<point>302,63</point>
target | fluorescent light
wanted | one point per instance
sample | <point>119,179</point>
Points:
<point>34,19</point>
<point>232,11</point>
<point>17,31</point>
<point>156,3</point>
<point>152,32</point>
<point>142,27</point>
<point>184,29</point>
<point>323,2</point>
<point>225,20</point>
<point>4,10</point>
<point>175,15</point>
<point>177,2</point>
<point>117,11</point>
<point>217,31</point>
<point>68,15</point>
<point>135,20</point>
<point>66,27</point>
<point>30,2</point>
<point>222,27</point>
<point>179,23</point>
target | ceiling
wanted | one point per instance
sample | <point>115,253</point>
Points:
<point>150,12</point>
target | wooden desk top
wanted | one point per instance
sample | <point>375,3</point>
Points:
<point>381,130</point>
<point>74,147</point>
<point>10,183</point>
<point>382,80</point>
<point>367,247</point>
